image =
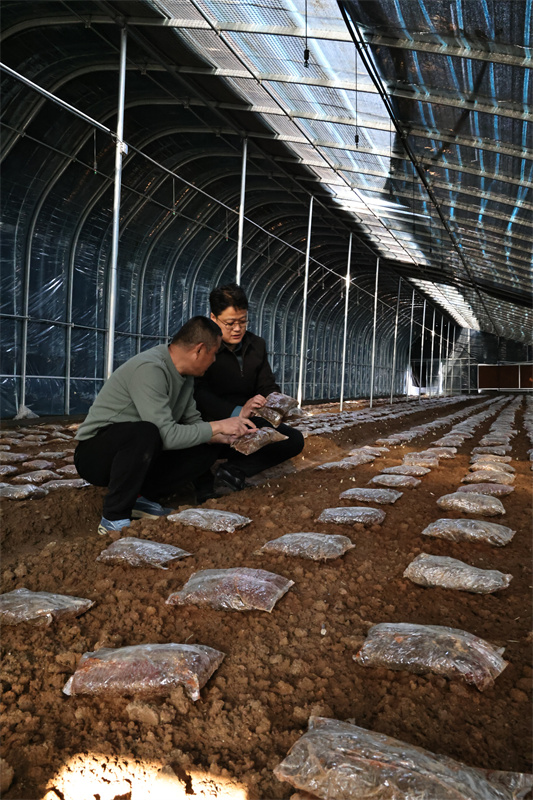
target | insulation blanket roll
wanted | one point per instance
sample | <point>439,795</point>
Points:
<point>340,761</point>
<point>39,608</point>
<point>237,589</point>
<point>428,570</point>
<point>145,668</point>
<point>432,648</point>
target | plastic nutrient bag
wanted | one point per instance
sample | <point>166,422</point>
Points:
<point>66,483</point>
<point>29,490</point>
<point>52,454</point>
<point>237,589</point>
<point>12,458</point>
<point>37,477</point>
<point>399,481</point>
<point>441,452</point>
<point>492,489</point>
<point>141,553</point>
<point>39,608</point>
<point>7,469</point>
<point>470,530</point>
<point>449,441</point>
<point>352,515</point>
<point>483,476</point>
<point>38,464</point>
<point>432,648</point>
<point>276,408</point>
<point>376,451</point>
<point>383,496</point>
<point>427,570</point>
<point>253,441</point>
<point>210,520</point>
<point>478,458</point>
<point>491,466</point>
<point>492,450</point>
<point>345,464</point>
<point>361,457</point>
<point>406,469</point>
<point>340,761</point>
<point>316,546</point>
<point>421,460</point>
<point>145,668</point>
<point>474,503</point>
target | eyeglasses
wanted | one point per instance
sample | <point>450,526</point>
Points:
<point>233,323</point>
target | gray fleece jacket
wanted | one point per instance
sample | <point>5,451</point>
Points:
<point>149,388</point>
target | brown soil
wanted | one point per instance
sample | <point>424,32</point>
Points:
<point>279,668</point>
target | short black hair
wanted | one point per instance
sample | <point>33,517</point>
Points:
<point>198,330</point>
<point>228,295</point>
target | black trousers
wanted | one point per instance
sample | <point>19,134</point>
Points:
<point>268,456</point>
<point>129,459</point>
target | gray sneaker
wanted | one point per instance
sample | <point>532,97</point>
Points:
<point>108,525</point>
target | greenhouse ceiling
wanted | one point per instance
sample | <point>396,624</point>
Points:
<point>408,121</point>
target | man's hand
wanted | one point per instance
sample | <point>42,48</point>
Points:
<point>251,406</point>
<point>233,427</point>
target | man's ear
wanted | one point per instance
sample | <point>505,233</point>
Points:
<point>197,349</point>
<point>212,316</point>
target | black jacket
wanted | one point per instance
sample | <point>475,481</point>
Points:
<point>225,385</point>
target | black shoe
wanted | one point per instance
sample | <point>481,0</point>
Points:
<point>229,479</point>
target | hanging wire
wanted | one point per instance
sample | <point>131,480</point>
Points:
<point>95,163</point>
<point>227,224</point>
<point>306,51</point>
<point>173,197</point>
<point>356,102</point>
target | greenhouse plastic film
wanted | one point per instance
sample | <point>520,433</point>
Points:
<point>432,648</point>
<point>141,553</point>
<point>237,589</point>
<point>145,668</point>
<point>40,608</point>
<point>340,761</point>
<point>449,573</point>
<point>316,546</point>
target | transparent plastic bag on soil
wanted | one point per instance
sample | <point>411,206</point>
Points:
<point>36,477</point>
<point>474,503</point>
<point>492,489</point>
<point>316,546</point>
<point>478,458</point>
<point>145,668</point>
<point>490,476</point>
<point>432,648</point>
<point>344,464</point>
<point>12,458</point>
<point>398,481</point>
<point>39,608</point>
<point>276,408</point>
<point>383,496</point>
<point>340,761</point>
<point>470,530</point>
<point>352,515</point>
<point>237,589</point>
<point>491,466</point>
<point>7,469</point>
<point>406,469</point>
<point>442,452</point>
<point>362,457</point>
<point>253,441</point>
<point>141,553</point>
<point>421,460</point>
<point>492,450</point>
<point>449,573</point>
<point>210,520</point>
<point>66,483</point>
<point>449,441</point>
<point>25,492</point>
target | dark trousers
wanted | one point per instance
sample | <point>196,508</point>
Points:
<point>268,456</point>
<point>129,459</point>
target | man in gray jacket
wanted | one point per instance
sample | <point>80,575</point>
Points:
<point>143,435</point>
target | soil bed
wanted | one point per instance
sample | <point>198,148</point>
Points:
<point>279,668</point>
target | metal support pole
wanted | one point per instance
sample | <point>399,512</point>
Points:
<point>409,370</point>
<point>469,364</point>
<point>447,360</point>
<point>120,149</point>
<point>374,335</point>
<point>432,347</point>
<point>422,351</point>
<point>241,210</point>
<point>347,289</point>
<point>304,309</point>
<point>453,360</point>
<point>440,356</point>
<point>395,341</point>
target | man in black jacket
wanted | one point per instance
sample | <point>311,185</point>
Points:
<point>237,385</point>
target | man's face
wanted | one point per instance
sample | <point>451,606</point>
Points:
<point>232,322</point>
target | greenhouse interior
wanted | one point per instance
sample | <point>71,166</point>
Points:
<point>267,346</point>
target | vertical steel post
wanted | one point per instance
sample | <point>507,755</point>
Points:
<point>395,341</point>
<point>374,335</point>
<point>422,351</point>
<point>439,379</point>
<point>120,149</point>
<point>241,210</point>
<point>347,289</point>
<point>453,360</point>
<point>447,360</point>
<point>432,349</point>
<point>469,364</point>
<point>409,370</point>
<point>304,309</point>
